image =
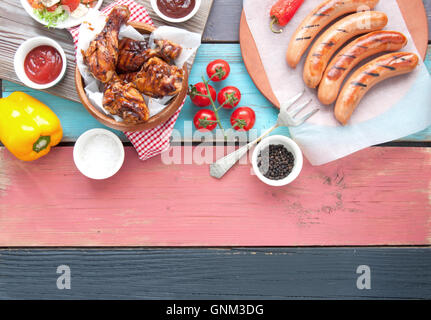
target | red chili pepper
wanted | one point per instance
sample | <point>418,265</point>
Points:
<point>282,12</point>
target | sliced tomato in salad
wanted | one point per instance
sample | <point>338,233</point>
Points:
<point>60,10</point>
<point>52,8</point>
<point>72,4</point>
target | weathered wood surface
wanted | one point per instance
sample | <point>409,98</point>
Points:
<point>16,26</point>
<point>223,23</point>
<point>255,273</point>
<point>379,196</point>
<point>215,273</point>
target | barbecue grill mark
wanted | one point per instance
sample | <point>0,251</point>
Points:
<point>321,15</point>
<point>339,68</point>
<point>303,38</point>
<point>359,84</point>
<point>349,56</point>
<point>342,30</point>
<point>400,57</point>
<point>329,44</point>
<point>311,26</point>
<point>387,67</point>
<point>363,47</point>
<point>372,74</point>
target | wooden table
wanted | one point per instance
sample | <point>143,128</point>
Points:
<point>245,236</point>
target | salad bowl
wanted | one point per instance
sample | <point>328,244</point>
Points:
<point>58,18</point>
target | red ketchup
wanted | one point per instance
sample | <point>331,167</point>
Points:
<point>43,64</point>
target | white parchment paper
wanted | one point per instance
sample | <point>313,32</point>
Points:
<point>94,24</point>
<point>339,141</point>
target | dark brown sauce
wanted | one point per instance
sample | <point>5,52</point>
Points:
<point>176,8</point>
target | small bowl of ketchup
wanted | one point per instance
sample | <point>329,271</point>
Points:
<point>176,10</point>
<point>40,63</point>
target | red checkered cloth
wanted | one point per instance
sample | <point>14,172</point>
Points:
<point>149,143</point>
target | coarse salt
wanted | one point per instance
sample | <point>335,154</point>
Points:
<point>100,155</point>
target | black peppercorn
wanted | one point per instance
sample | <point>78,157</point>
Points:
<point>275,162</point>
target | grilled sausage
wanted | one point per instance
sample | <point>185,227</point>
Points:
<point>319,18</point>
<point>381,68</point>
<point>356,51</point>
<point>333,38</point>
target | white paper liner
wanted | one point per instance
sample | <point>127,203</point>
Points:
<point>94,24</point>
<point>286,82</point>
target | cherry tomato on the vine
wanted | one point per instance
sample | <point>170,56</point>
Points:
<point>231,95</point>
<point>243,119</point>
<point>205,120</point>
<point>199,88</point>
<point>218,70</point>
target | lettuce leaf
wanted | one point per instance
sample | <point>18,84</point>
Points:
<point>52,17</point>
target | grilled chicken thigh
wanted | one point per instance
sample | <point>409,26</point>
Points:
<point>133,53</point>
<point>169,50</point>
<point>158,79</point>
<point>123,99</point>
<point>102,55</point>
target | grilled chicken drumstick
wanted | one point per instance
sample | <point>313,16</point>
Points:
<point>158,79</point>
<point>131,57</point>
<point>102,55</point>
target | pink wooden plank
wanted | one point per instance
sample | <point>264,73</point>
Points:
<point>379,196</point>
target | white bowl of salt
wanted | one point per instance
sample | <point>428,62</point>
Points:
<point>98,154</point>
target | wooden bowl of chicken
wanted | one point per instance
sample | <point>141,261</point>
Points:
<point>153,121</point>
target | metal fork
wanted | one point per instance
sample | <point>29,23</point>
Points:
<point>286,118</point>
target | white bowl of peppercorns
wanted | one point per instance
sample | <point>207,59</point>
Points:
<point>277,160</point>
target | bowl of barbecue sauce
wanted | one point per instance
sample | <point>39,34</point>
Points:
<point>176,10</point>
<point>40,63</point>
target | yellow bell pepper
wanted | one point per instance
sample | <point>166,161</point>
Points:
<point>28,128</point>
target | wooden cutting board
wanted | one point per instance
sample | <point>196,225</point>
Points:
<point>16,26</point>
<point>414,14</point>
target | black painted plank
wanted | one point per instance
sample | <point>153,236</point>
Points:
<point>264,273</point>
<point>223,22</point>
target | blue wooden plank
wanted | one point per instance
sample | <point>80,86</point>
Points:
<point>76,120</point>
<point>266,114</point>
